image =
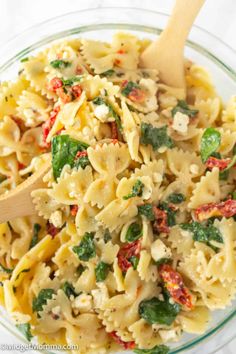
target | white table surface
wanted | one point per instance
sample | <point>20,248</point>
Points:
<point>217,16</point>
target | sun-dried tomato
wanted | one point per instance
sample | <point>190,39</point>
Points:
<point>121,51</point>
<point>47,126</point>
<point>74,209</point>
<point>126,252</point>
<point>21,166</point>
<point>52,230</point>
<point>206,211</point>
<point>214,162</point>
<point>79,70</point>
<point>114,131</point>
<point>161,222</point>
<point>137,95</point>
<point>76,90</point>
<point>55,84</point>
<point>80,154</point>
<point>173,282</point>
<point>117,62</point>
<point>117,339</point>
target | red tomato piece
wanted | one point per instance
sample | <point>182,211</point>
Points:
<point>114,131</point>
<point>174,284</point>
<point>126,252</point>
<point>21,166</point>
<point>214,162</point>
<point>47,126</point>
<point>137,95</point>
<point>52,230</point>
<point>206,211</point>
<point>55,84</point>
<point>121,51</point>
<point>76,90</point>
<point>117,339</point>
<point>74,209</point>
<point>160,224</point>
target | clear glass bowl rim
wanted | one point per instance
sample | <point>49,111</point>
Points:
<point>6,49</point>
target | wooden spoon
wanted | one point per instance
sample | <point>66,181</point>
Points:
<point>18,202</point>
<point>167,53</point>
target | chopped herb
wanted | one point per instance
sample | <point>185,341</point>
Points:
<point>69,289</point>
<point>203,233</point>
<point>101,271</point>
<point>82,162</point>
<point>71,81</point>
<point>80,269</point>
<point>5,269</point>
<point>25,329</point>
<point>134,232</point>
<point>108,73</point>
<point>137,190</point>
<point>176,198</point>
<point>23,271</point>
<point>183,107</point>
<point>86,249</point>
<point>35,237</point>
<point>158,349</point>
<point>99,101</point>
<point>134,260</point>
<point>41,299</point>
<point>107,236</point>
<point>23,60</point>
<point>156,311</point>
<point>64,150</point>
<point>147,211</point>
<point>60,64</point>
<point>170,213</point>
<point>156,137</point>
<point>210,142</point>
<point>129,87</point>
<point>223,175</point>
<point>163,261</point>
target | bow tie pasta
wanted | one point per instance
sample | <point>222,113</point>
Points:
<point>134,238</point>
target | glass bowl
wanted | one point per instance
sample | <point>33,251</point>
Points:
<point>202,48</point>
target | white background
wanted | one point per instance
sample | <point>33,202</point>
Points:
<point>217,16</point>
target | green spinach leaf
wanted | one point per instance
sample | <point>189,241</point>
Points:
<point>137,190</point>
<point>134,260</point>
<point>134,232</point>
<point>35,237</point>
<point>108,73</point>
<point>41,299</point>
<point>171,214</point>
<point>25,329</point>
<point>80,270</point>
<point>60,64</point>
<point>64,150</point>
<point>176,198</point>
<point>71,81</point>
<point>210,142</point>
<point>156,137</point>
<point>101,271</point>
<point>183,107</point>
<point>147,211</point>
<point>69,289</point>
<point>203,233</point>
<point>156,311</point>
<point>82,162</point>
<point>86,249</point>
<point>158,349</point>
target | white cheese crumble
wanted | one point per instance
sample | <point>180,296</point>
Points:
<point>194,169</point>
<point>83,303</point>
<point>180,122</point>
<point>167,335</point>
<point>101,112</point>
<point>56,218</point>
<point>159,250</point>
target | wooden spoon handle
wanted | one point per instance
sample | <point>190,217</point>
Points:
<point>181,20</point>
<point>18,201</point>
